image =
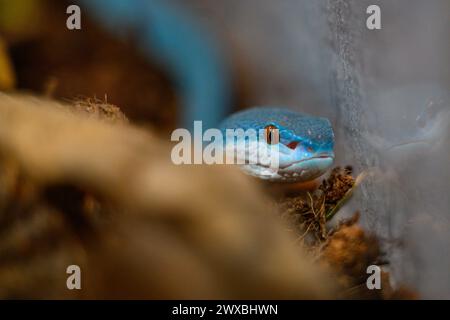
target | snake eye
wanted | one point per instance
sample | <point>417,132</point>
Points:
<point>309,149</point>
<point>272,134</point>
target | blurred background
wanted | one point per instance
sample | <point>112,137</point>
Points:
<point>385,91</point>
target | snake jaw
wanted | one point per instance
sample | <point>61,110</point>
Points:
<point>302,165</point>
<point>302,171</point>
<point>294,165</point>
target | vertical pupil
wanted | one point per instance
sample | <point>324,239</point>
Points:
<point>271,135</point>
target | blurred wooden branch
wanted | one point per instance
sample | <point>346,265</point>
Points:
<point>164,231</point>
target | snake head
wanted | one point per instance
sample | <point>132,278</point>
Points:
<point>302,144</point>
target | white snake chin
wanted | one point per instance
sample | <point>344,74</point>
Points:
<point>300,171</point>
<point>305,170</point>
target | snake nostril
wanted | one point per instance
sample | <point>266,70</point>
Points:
<point>292,145</point>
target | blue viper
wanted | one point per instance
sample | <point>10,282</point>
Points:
<point>169,34</point>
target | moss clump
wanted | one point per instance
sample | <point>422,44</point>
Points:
<point>347,249</point>
<point>311,210</point>
<point>100,109</point>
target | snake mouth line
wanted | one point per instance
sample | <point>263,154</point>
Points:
<point>307,159</point>
<point>297,162</point>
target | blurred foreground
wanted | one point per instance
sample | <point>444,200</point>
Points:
<point>79,185</point>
